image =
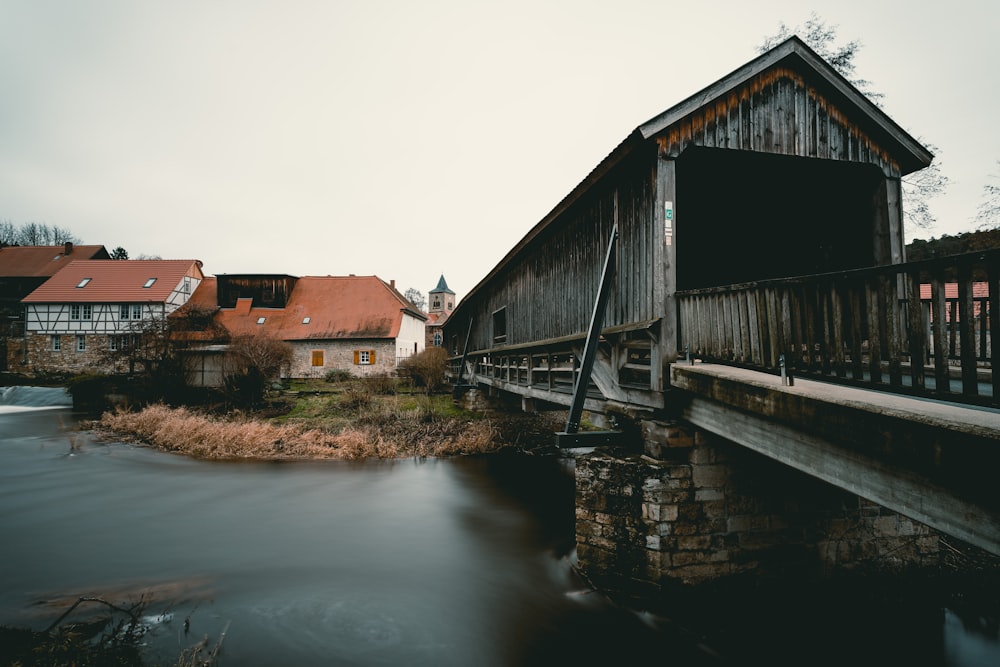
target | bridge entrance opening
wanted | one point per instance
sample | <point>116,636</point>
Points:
<point>743,216</point>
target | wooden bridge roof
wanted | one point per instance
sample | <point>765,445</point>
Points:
<point>791,55</point>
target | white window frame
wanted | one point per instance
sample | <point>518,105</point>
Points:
<point>136,311</point>
<point>81,343</point>
<point>74,312</point>
<point>56,343</point>
<point>364,358</point>
<point>86,311</point>
<point>123,311</point>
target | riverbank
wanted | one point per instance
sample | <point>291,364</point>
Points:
<point>334,423</point>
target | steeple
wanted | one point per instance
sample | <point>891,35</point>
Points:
<point>441,299</point>
<point>442,286</point>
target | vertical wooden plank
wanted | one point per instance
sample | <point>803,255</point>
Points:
<point>875,327</point>
<point>665,268</point>
<point>856,291</point>
<point>773,328</point>
<point>993,276</point>
<point>967,329</point>
<point>746,340</point>
<point>916,333</point>
<point>837,326</point>
<point>797,337</point>
<point>939,319</point>
<point>890,298</point>
<point>809,326</point>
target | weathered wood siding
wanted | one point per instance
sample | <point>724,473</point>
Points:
<point>549,289</point>
<point>778,111</point>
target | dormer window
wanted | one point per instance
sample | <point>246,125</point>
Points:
<point>149,283</point>
<point>83,283</point>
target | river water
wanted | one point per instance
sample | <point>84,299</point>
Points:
<point>462,561</point>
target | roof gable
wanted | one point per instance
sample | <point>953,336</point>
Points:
<point>109,281</point>
<point>794,57</point>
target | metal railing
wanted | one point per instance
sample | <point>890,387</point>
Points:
<point>923,328</point>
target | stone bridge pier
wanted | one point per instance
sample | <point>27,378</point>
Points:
<point>696,508</point>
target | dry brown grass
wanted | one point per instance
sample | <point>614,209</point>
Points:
<point>381,434</point>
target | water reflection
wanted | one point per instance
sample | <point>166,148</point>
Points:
<point>433,562</point>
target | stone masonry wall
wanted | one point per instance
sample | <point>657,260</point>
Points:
<point>705,509</point>
<point>41,358</point>
<point>340,355</point>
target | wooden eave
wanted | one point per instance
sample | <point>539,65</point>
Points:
<point>795,54</point>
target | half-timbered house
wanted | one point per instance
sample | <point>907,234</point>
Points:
<point>92,307</point>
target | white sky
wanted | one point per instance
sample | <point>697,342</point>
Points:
<point>410,138</point>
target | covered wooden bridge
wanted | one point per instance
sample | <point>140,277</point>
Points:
<point>756,223</point>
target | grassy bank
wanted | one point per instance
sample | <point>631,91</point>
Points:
<point>349,422</point>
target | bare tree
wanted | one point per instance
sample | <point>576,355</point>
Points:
<point>8,233</point>
<point>34,234</point>
<point>988,213</point>
<point>918,187</point>
<point>415,297</point>
<point>253,362</point>
<point>59,236</point>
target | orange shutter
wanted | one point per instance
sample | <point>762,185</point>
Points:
<point>371,356</point>
<point>357,357</point>
<point>317,357</point>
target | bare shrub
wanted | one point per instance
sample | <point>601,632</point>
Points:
<point>254,362</point>
<point>427,369</point>
<point>337,375</point>
<point>381,384</point>
<point>386,433</point>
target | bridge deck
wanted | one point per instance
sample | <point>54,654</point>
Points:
<point>932,461</point>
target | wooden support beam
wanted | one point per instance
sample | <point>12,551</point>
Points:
<point>594,334</point>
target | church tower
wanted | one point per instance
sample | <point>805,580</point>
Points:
<point>440,303</point>
<point>441,300</point>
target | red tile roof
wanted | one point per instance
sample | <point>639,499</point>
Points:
<point>116,281</point>
<point>39,261</point>
<point>319,308</point>
<point>980,290</point>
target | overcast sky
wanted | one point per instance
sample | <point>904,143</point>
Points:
<point>409,139</point>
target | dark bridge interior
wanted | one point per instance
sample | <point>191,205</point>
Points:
<point>745,216</point>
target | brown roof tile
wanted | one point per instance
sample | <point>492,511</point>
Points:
<point>115,281</point>
<point>319,308</point>
<point>39,261</point>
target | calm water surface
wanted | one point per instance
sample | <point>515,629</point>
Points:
<point>433,562</point>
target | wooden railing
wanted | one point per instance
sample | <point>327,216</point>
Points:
<point>924,328</point>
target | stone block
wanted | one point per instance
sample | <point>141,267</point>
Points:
<point>694,542</point>
<point>887,525</point>
<point>710,476</point>
<point>708,495</point>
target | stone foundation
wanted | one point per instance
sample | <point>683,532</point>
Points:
<point>696,508</point>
